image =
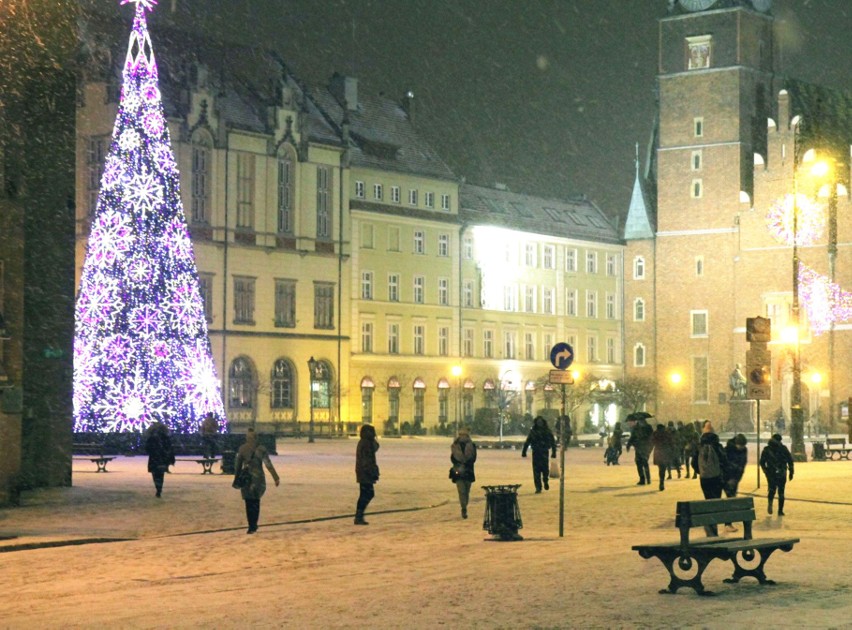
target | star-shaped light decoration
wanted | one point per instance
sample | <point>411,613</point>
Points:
<point>145,4</point>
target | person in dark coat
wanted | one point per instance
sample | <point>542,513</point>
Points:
<point>613,451</point>
<point>640,441</point>
<point>776,461</point>
<point>463,457</point>
<point>690,439</point>
<point>542,442</point>
<point>711,475</point>
<point>737,455</point>
<point>209,430</point>
<point>161,455</point>
<point>366,470</point>
<point>677,450</point>
<point>662,443</point>
<point>255,457</point>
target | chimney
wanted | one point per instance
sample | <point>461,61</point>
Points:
<point>345,90</point>
<point>408,105</point>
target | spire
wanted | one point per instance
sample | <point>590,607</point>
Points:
<point>638,223</point>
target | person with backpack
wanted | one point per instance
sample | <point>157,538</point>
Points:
<point>463,457</point>
<point>775,461</point>
<point>253,457</point>
<point>712,463</point>
<point>737,454</point>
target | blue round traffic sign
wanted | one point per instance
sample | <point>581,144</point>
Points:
<point>562,355</point>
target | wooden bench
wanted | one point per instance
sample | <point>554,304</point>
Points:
<point>206,463</point>
<point>837,448</point>
<point>98,460</point>
<point>692,557</point>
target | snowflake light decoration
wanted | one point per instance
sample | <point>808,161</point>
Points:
<point>141,349</point>
<point>810,224</point>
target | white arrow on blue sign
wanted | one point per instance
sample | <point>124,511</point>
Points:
<point>562,355</point>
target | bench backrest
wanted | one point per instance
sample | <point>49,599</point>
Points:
<point>714,512</point>
<point>841,441</point>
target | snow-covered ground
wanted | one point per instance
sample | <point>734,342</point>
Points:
<point>186,561</point>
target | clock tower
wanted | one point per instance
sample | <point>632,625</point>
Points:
<point>715,82</point>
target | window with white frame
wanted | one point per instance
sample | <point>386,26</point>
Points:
<point>639,268</point>
<point>529,299</point>
<point>467,247</point>
<point>570,260</point>
<point>378,192</point>
<point>412,197</point>
<point>366,336</point>
<point>393,338</point>
<point>611,265</point>
<point>696,160</point>
<point>698,323</point>
<point>592,348</point>
<point>360,189</point>
<point>366,285</point>
<point>698,127</point>
<point>419,289</point>
<point>429,199</point>
<point>591,304</point>
<point>444,291</point>
<point>529,346</point>
<point>467,342</point>
<point>571,302</point>
<point>548,256</point>
<point>395,197</point>
<point>443,245</point>
<point>591,262</point>
<point>547,300</point>
<point>639,355</point>
<point>467,293</point>
<point>700,379</point>
<point>419,339</point>
<point>444,341</point>
<point>547,341</point>
<point>530,254</point>
<point>509,339</point>
<point>488,343</point>
<point>610,305</point>
<point>393,287</point>
<point>696,190</point>
<point>610,350</point>
<point>445,203</point>
<point>419,242</point>
<point>639,310</point>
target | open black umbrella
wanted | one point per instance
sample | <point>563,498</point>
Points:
<point>639,415</point>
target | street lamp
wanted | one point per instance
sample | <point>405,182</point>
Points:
<point>456,371</point>
<point>312,370</point>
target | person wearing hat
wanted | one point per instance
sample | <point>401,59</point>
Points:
<point>463,457</point>
<point>737,454</point>
<point>254,456</point>
<point>775,461</point>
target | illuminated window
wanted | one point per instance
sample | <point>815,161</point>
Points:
<point>699,50</point>
<point>240,384</point>
<point>281,385</point>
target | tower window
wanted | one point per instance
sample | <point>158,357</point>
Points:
<point>697,189</point>
<point>698,127</point>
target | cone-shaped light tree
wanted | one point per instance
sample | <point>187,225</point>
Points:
<point>141,349</point>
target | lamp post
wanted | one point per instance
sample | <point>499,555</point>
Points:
<point>456,371</point>
<point>312,370</point>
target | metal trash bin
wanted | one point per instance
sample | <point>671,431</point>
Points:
<point>502,514</point>
<point>818,452</point>
<point>228,458</point>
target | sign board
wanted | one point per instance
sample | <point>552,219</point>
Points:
<point>562,355</point>
<point>561,377</point>
<point>758,374</point>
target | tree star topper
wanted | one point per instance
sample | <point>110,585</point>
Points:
<point>146,4</point>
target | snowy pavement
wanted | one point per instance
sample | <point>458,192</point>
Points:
<point>185,560</point>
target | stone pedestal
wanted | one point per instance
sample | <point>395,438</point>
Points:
<point>740,416</point>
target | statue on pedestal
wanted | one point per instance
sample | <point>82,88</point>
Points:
<point>737,383</point>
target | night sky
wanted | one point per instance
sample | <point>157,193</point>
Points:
<point>546,96</point>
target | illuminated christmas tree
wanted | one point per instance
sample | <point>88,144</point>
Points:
<point>141,350</point>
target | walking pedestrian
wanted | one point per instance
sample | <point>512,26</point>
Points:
<point>737,455</point>
<point>161,455</point>
<point>209,430</point>
<point>463,457</point>
<point>640,441</point>
<point>661,442</point>
<point>541,440</point>
<point>254,456</point>
<point>711,467</point>
<point>613,451</point>
<point>690,449</point>
<point>366,470</point>
<point>676,450</point>
<point>776,461</point>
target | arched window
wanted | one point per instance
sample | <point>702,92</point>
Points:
<point>367,387</point>
<point>286,178</point>
<point>241,384</point>
<point>639,355</point>
<point>393,402</point>
<point>281,385</point>
<point>638,268</point>
<point>490,394</point>
<point>321,386</point>
<point>639,310</point>
<point>202,160</point>
<point>419,395</point>
<point>443,400</point>
<point>469,388</point>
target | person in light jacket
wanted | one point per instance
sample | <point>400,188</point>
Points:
<point>463,456</point>
<point>366,470</point>
<point>255,457</point>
